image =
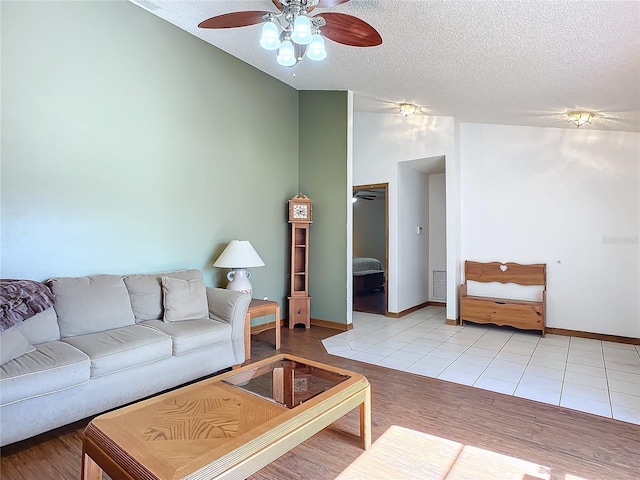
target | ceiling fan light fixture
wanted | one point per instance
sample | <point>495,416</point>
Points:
<point>286,54</point>
<point>316,50</point>
<point>270,39</point>
<point>296,27</point>
<point>302,30</point>
<point>580,118</point>
<point>407,109</point>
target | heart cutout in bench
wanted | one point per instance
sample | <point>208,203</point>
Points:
<point>503,268</point>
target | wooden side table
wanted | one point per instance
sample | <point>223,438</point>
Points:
<point>257,309</point>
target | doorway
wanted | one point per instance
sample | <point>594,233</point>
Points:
<point>370,248</point>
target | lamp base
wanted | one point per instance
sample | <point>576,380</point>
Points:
<point>239,281</point>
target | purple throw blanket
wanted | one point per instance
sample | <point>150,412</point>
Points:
<point>22,299</point>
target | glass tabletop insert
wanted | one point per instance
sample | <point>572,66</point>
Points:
<point>287,382</point>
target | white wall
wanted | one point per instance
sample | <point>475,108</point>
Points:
<point>380,142</point>
<point>437,226</point>
<point>124,141</point>
<point>565,197</point>
<point>413,237</point>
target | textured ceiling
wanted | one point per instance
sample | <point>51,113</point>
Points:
<point>485,61</point>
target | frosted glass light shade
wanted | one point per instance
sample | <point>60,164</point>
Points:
<point>407,109</point>
<point>286,54</point>
<point>270,39</point>
<point>316,50</point>
<point>579,119</point>
<point>239,254</point>
<point>302,30</point>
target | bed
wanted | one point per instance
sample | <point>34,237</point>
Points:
<point>368,274</point>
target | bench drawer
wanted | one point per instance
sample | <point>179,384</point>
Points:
<point>526,315</point>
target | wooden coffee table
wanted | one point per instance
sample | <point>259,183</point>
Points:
<point>228,426</point>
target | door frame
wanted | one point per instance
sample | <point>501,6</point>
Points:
<point>358,188</point>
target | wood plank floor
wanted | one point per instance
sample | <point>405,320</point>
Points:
<point>574,445</point>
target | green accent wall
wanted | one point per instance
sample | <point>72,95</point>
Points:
<point>131,146</point>
<point>323,178</point>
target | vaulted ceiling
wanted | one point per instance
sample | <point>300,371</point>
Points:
<point>523,62</point>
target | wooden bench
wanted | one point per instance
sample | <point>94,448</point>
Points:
<point>524,314</point>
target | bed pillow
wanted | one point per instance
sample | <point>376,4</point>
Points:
<point>184,299</point>
<point>12,345</point>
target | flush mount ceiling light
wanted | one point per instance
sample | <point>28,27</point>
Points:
<point>580,118</point>
<point>294,32</point>
<point>407,109</point>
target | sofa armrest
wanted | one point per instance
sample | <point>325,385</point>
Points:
<point>230,307</point>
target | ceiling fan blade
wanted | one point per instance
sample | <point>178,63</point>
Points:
<point>234,19</point>
<point>278,4</point>
<point>349,30</point>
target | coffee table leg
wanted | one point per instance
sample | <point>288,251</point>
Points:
<point>90,469</point>
<point>247,337</point>
<point>277,315</point>
<point>365,421</point>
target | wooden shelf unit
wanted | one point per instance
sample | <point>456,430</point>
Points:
<point>299,259</point>
<point>523,314</point>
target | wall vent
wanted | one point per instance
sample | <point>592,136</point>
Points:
<point>440,285</point>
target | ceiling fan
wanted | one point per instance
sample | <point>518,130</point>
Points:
<point>293,31</point>
<point>363,195</point>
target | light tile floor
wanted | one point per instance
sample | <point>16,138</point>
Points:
<point>594,376</point>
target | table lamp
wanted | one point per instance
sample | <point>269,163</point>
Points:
<point>239,255</point>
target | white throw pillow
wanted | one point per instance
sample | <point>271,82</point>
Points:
<point>12,345</point>
<point>184,299</point>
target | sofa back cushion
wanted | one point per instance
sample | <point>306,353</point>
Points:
<point>91,304</point>
<point>145,291</point>
<point>42,327</point>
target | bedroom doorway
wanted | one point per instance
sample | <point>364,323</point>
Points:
<point>370,248</point>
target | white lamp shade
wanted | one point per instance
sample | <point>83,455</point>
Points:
<point>239,254</point>
<point>301,30</point>
<point>270,39</point>
<point>286,54</point>
<point>316,50</point>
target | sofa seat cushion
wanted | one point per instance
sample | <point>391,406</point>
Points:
<point>122,348</point>
<point>51,367</point>
<point>190,335</point>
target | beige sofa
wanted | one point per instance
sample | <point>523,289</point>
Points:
<point>110,340</point>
